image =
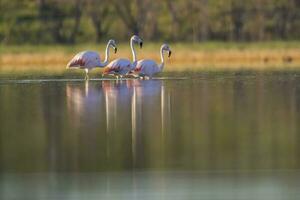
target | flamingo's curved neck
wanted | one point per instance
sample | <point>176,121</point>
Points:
<point>133,51</point>
<point>105,62</point>
<point>161,66</point>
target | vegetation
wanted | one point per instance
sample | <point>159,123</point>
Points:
<point>42,35</point>
<point>73,21</point>
<point>52,59</point>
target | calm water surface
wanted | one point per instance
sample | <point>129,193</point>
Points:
<point>209,136</point>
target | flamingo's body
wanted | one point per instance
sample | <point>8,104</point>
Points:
<point>88,60</point>
<point>148,67</point>
<point>119,66</point>
<point>122,66</point>
<point>85,60</point>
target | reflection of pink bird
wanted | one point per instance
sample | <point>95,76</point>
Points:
<point>90,59</point>
<point>150,67</point>
<point>122,66</point>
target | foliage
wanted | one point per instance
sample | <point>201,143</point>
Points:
<point>71,21</point>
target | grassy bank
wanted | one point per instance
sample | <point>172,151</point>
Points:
<point>201,56</point>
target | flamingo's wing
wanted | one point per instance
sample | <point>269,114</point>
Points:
<point>117,66</point>
<point>76,61</point>
<point>111,67</point>
<point>85,59</point>
<point>139,66</point>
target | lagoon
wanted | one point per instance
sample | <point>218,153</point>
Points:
<point>209,135</point>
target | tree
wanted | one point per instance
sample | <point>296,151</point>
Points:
<point>126,12</point>
<point>238,12</point>
<point>176,21</point>
<point>198,16</point>
<point>70,21</point>
<point>99,11</point>
<point>54,13</point>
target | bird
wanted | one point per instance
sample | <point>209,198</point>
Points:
<point>122,66</point>
<point>88,60</point>
<point>148,67</point>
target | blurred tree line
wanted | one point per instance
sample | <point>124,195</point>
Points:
<point>70,21</point>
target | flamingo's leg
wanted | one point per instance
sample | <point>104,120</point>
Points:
<point>113,75</point>
<point>132,75</point>
<point>143,77</point>
<point>86,74</point>
<point>103,75</point>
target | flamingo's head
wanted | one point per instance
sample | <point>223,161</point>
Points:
<point>113,44</point>
<point>166,47</point>
<point>136,39</point>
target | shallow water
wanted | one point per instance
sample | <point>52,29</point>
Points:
<point>210,136</point>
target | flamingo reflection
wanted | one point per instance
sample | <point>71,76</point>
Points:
<point>117,104</point>
<point>150,105</point>
<point>85,113</point>
<point>83,101</point>
<point>127,107</point>
<point>165,110</point>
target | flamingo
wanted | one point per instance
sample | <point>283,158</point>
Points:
<point>122,66</point>
<point>88,60</point>
<point>150,67</point>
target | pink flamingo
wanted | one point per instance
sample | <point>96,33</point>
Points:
<point>88,60</point>
<point>150,67</point>
<point>122,66</point>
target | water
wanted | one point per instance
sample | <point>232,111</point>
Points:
<point>205,136</point>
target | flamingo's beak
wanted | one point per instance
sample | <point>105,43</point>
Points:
<point>170,52</point>
<point>116,49</point>
<point>141,44</point>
